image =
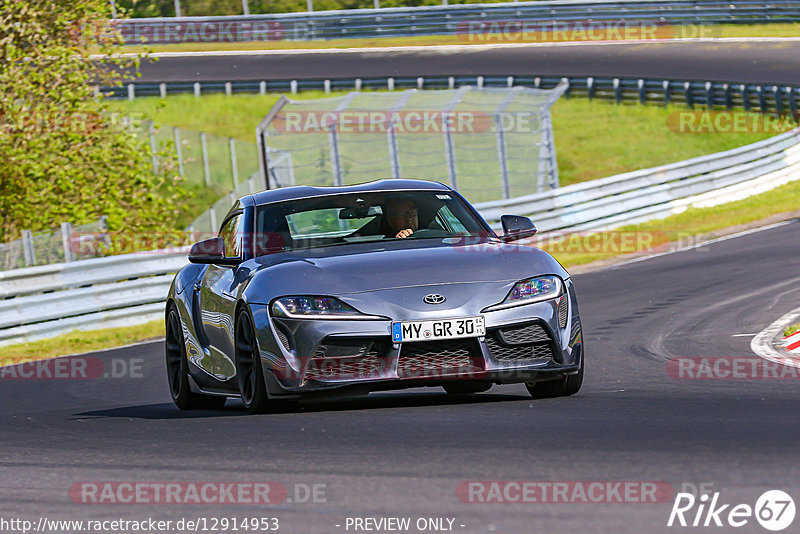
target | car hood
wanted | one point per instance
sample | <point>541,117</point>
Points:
<point>356,269</point>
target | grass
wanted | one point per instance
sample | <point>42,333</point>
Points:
<point>716,31</point>
<point>80,342</point>
<point>791,330</point>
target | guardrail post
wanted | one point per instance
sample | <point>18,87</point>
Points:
<point>617,91</point>
<point>357,85</point>
<point>778,99</point>
<point>501,154</point>
<point>66,233</point>
<point>642,92</point>
<point>262,88</point>
<point>537,82</point>
<point>792,101</point>
<point>665,83</point>
<point>745,97</point>
<point>27,248</point>
<point>728,96</point>
<point>420,82</point>
<point>390,84</point>
<point>162,90</point>
<point>590,87</point>
<point>451,82</point>
<point>178,149</point>
<point>204,147</point>
<point>131,92</point>
<point>234,166</point>
<point>327,85</point>
<point>153,156</point>
<point>197,89</point>
<point>336,162</point>
<point>687,92</point>
<point>293,87</point>
<point>709,96</point>
<point>479,82</point>
<point>228,89</point>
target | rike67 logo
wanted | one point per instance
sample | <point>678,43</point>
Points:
<point>774,510</point>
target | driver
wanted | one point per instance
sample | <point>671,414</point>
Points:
<point>401,214</point>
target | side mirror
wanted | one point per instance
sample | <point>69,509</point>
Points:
<point>211,251</point>
<point>516,227</point>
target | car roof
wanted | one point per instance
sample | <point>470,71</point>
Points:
<point>307,191</point>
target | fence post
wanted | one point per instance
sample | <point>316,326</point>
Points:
<point>245,8</point>
<point>377,4</point>
<point>762,99</point>
<point>27,248</point>
<point>449,148</point>
<point>212,215</point>
<point>778,99</point>
<point>131,92</point>
<point>204,146</point>
<point>617,91</point>
<point>501,154</point>
<point>196,89</point>
<point>262,87</point>
<point>666,92</point>
<point>177,8</point>
<point>153,148</point>
<point>745,97</point>
<point>590,87</point>
<point>792,101</point>
<point>309,5</point>
<point>687,93</point>
<point>728,97</point>
<point>336,163</point>
<point>642,92</point>
<point>178,149</point>
<point>113,9</point>
<point>162,90</point>
<point>709,95</point>
<point>66,233</point>
<point>234,166</point>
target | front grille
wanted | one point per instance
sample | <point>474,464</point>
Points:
<point>563,311</point>
<point>527,343</point>
<point>347,359</point>
<point>283,337</point>
<point>439,358</point>
<point>524,335</point>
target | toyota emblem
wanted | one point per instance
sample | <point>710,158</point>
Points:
<point>433,298</point>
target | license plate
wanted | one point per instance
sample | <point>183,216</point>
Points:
<point>407,331</point>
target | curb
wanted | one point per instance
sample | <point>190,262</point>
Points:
<point>771,345</point>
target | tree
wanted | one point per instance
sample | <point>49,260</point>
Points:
<point>63,155</point>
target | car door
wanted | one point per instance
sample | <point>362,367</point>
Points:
<point>218,301</point>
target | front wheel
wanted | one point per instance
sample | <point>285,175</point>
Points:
<point>178,370</point>
<point>561,387</point>
<point>252,387</point>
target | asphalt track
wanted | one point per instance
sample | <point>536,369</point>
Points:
<point>405,453</point>
<point>760,62</point>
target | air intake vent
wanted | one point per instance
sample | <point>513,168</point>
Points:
<point>563,311</point>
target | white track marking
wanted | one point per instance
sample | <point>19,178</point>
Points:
<point>447,49</point>
<point>762,343</point>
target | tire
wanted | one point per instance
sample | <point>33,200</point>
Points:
<point>561,387</point>
<point>465,388</point>
<point>178,370</point>
<point>252,386</point>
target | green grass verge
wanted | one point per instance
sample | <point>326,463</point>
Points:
<point>791,330</point>
<point>722,30</point>
<point>79,342</point>
<point>593,139</point>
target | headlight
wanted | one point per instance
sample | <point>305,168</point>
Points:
<point>316,308</point>
<point>531,290</point>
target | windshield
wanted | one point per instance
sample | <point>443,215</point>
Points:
<point>364,217</point>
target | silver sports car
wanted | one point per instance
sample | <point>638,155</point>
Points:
<point>386,285</point>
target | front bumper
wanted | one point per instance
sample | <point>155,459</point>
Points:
<point>527,343</point>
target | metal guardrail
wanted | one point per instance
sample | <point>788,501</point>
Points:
<point>131,288</point>
<point>756,97</point>
<point>455,19</point>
